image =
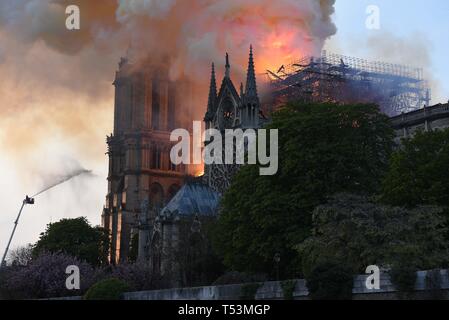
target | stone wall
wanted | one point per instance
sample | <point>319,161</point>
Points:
<point>273,290</point>
<point>426,119</point>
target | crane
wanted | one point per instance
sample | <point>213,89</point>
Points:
<point>26,201</point>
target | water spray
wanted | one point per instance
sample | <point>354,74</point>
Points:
<point>30,201</point>
<point>62,180</point>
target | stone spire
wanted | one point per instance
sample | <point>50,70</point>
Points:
<point>212,93</point>
<point>228,67</point>
<point>251,86</point>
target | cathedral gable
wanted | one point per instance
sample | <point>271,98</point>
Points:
<point>228,102</point>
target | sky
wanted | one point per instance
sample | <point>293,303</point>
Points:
<point>412,32</point>
<point>36,147</point>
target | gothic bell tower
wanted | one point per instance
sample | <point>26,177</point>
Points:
<point>147,108</point>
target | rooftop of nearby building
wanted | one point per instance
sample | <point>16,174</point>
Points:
<point>194,198</point>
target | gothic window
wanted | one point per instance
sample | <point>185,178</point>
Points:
<point>156,106</point>
<point>156,195</point>
<point>254,112</point>
<point>156,158</point>
<point>171,106</point>
<point>227,115</point>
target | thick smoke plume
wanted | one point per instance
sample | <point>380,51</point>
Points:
<point>57,83</point>
<point>192,33</point>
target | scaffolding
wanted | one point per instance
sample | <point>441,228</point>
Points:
<point>340,79</point>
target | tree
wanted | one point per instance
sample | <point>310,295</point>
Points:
<point>75,237</point>
<point>419,171</point>
<point>21,256</point>
<point>356,231</point>
<point>138,276</point>
<point>107,289</point>
<point>45,277</point>
<point>330,281</point>
<point>323,149</point>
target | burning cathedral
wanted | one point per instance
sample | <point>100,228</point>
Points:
<point>156,211</point>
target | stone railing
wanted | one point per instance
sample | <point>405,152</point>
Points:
<point>437,111</point>
<point>272,290</point>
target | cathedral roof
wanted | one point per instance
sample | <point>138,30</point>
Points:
<point>212,96</point>
<point>227,84</point>
<point>251,85</point>
<point>193,199</point>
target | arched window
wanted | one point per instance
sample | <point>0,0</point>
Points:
<point>156,195</point>
<point>171,106</point>
<point>155,110</point>
<point>156,158</point>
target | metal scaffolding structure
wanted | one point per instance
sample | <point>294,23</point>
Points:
<point>340,79</point>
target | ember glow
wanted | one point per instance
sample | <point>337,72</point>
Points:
<point>195,31</point>
<point>199,173</point>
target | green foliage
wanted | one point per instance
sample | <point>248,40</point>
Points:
<point>194,256</point>
<point>323,149</point>
<point>4,292</point>
<point>361,232</point>
<point>330,281</point>
<point>433,285</point>
<point>403,277</point>
<point>249,291</point>
<point>288,288</point>
<point>108,289</point>
<point>76,238</point>
<point>235,277</point>
<point>419,171</point>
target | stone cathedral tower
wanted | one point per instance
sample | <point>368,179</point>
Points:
<point>147,108</point>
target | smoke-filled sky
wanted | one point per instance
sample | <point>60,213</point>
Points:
<point>412,32</point>
<point>56,93</point>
